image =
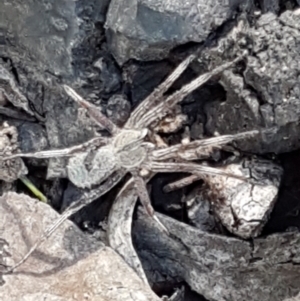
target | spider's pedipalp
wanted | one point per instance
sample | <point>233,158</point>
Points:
<point>93,111</point>
<point>155,97</point>
<point>161,109</point>
<point>64,152</point>
<point>86,198</point>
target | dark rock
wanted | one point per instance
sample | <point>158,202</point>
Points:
<point>43,32</point>
<point>217,267</point>
<point>148,30</point>
<point>32,137</point>
<point>118,109</point>
<point>268,95</point>
<point>270,6</point>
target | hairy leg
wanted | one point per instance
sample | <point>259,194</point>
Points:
<point>192,168</point>
<point>181,183</point>
<point>142,192</point>
<point>155,97</point>
<point>86,198</point>
<point>120,226</point>
<point>192,150</point>
<point>93,111</point>
<point>159,111</point>
<point>94,142</point>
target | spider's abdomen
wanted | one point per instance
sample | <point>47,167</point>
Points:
<point>84,173</point>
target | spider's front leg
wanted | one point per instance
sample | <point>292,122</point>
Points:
<point>161,109</point>
<point>64,152</point>
<point>155,97</point>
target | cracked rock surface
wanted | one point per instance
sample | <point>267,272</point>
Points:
<point>218,267</point>
<point>148,30</point>
<point>62,269</point>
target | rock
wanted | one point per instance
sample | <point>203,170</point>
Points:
<point>118,109</point>
<point>199,211</point>
<point>103,4</point>
<point>59,44</point>
<point>69,266</point>
<point>148,30</point>
<point>10,170</point>
<point>269,6</point>
<point>244,207</point>
<point>219,268</point>
<point>10,91</point>
<point>45,30</point>
<point>267,94</point>
<point>32,137</point>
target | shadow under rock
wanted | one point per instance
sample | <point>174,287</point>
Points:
<point>286,213</point>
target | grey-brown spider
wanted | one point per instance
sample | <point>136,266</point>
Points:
<point>131,149</point>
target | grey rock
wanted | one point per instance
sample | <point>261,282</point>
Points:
<point>118,109</point>
<point>103,4</point>
<point>47,42</point>
<point>270,6</point>
<point>148,30</point>
<point>32,137</point>
<point>10,170</point>
<point>11,92</point>
<point>268,94</point>
<point>244,207</point>
<point>199,211</point>
<point>44,29</point>
<point>218,267</point>
<point>69,266</point>
<point>297,298</point>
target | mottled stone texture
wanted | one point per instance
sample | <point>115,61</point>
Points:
<point>70,266</point>
<point>148,30</point>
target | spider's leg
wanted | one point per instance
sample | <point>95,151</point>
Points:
<point>192,168</point>
<point>142,192</point>
<point>86,198</point>
<point>157,94</point>
<point>93,111</point>
<point>97,141</point>
<point>192,150</point>
<point>159,111</point>
<point>119,227</point>
<point>181,183</point>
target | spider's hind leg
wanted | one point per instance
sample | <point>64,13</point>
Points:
<point>145,199</point>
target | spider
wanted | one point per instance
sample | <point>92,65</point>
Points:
<point>99,164</point>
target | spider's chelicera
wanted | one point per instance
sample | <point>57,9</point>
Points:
<point>99,164</point>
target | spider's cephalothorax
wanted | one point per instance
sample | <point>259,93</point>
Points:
<point>101,162</point>
<point>126,150</point>
<point>130,148</point>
